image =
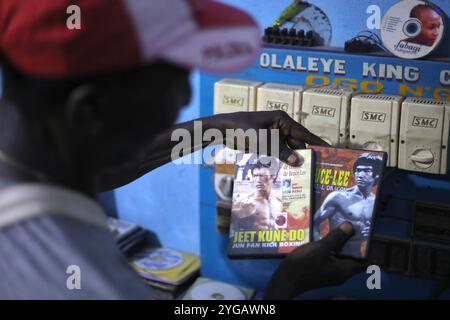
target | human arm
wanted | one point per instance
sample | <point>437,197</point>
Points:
<point>159,151</point>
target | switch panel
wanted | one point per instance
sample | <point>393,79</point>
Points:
<point>374,124</point>
<point>223,181</point>
<point>223,185</point>
<point>233,95</point>
<point>424,131</point>
<point>277,96</point>
<point>327,114</point>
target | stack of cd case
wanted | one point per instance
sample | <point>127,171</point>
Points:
<point>168,271</point>
<point>128,235</point>
<point>165,291</point>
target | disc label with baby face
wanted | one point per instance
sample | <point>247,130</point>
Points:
<point>412,29</point>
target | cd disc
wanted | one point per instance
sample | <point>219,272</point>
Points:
<point>412,29</point>
<point>216,291</point>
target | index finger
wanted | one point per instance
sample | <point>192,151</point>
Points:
<point>302,134</point>
<point>314,140</point>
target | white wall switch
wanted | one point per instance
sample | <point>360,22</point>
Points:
<point>233,95</point>
<point>277,96</point>
<point>375,124</point>
<point>327,114</point>
<point>424,132</point>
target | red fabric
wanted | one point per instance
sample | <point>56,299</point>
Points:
<point>211,14</point>
<point>34,37</point>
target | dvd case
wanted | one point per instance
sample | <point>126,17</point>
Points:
<point>121,228</point>
<point>170,266</point>
<point>346,187</point>
<point>271,206</point>
<point>129,236</point>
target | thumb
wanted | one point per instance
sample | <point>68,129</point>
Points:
<point>290,157</point>
<point>337,237</point>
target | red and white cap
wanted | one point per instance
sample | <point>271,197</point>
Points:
<point>118,34</point>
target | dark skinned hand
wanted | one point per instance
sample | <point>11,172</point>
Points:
<point>292,135</point>
<point>314,266</point>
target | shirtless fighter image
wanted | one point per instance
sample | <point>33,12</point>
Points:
<point>255,210</point>
<point>354,204</point>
